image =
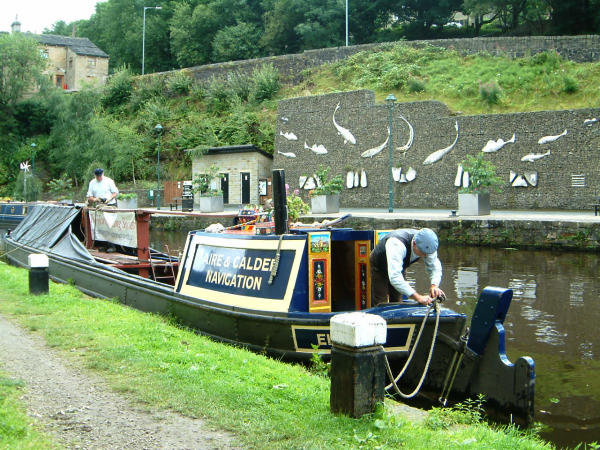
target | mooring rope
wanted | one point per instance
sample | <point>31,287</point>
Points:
<point>394,381</point>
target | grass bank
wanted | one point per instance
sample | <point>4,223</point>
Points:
<point>266,403</point>
<point>16,429</point>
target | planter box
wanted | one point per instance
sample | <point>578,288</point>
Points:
<point>473,204</point>
<point>211,204</point>
<point>325,204</point>
<point>127,203</point>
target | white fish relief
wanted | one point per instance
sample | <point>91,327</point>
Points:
<point>287,154</point>
<point>302,180</point>
<point>356,179</point>
<point>284,119</point>
<point>350,180</point>
<point>547,139</point>
<point>512,176</point>
<point>318,149</point>
<point>363,178</point>
<point>403,178</point>
<point>289,136</point>
<point>590,122</point>
<point>439,154</point>
<point>531,177</point>
<point>519,182</point>
<point>396,171</point>
<point>466,179</point>
<point>317,179</point>
<point>411,174</point>
<point>459,174</point>
<point>373,151</point>
<point>531,157</point>
<point>494,146</point>
<point>411,137</point>
<point>344,132</point>
<point>310,184</point>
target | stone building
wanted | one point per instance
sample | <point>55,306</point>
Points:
<point>72,62</point>
<point>245,172</point>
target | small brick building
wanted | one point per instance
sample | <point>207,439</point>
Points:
<point>245,172</point>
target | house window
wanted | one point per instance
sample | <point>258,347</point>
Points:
<point>44,53</point>
<point>91,62</point>
<point>70,62</point>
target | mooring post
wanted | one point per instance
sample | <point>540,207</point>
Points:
<point>38,274</point>
<point>280,202</point>
<point>357,363</point>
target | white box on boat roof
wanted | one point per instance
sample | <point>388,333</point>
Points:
<point>38,260</point>
<point>358,329</point>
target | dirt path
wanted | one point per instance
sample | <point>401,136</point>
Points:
<point>80,409</point>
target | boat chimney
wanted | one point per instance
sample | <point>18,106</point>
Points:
<point>280,202</point>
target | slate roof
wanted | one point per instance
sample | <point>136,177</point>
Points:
<point>81,46</point>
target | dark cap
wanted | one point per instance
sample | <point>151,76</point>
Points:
<point>98,171</point>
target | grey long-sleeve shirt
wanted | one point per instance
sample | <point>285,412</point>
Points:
<point>395,252</point>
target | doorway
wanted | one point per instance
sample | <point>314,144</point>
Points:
<point>225,187</point>
<point>245,187</point>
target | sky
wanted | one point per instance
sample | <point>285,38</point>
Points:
<point>35,15</point>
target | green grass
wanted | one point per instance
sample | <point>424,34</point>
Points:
<point>16,429</point>
<point>265,403</point>
<point>541,82</point>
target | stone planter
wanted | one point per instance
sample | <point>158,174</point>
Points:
<point>127,203</point>
<point>325,204</point>
<point>473,204</point>
<point>211,204</point>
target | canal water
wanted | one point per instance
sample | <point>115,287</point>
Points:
<point>553,318</point>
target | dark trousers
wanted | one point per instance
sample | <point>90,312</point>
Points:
<point>382,290</point>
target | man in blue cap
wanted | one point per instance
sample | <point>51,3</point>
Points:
<point>390,259</point>
<point>102,189</point>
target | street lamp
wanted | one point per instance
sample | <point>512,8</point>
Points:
<point>144,35</point>
<point>159,130</point>
<point>33,146</point>
<point>390,100</point>
<point>346,23</point>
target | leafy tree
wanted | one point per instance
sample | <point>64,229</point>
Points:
<point>20,67</point>
<point>239,41</point>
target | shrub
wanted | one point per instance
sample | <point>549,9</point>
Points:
<point>328,186</point>
<point>570,85</point>
<point>27,187</point>
<point>60,186</point>
<point>482,175</point>
<point>241,85</point>
<point>179,83</point>
<point>296,206</point>
<point>203,181</point>
<point>415,85</point>
<point>118,89</point>
<point>490,92</point>
<point>266,83</point>
<point>218,95</point>
<point>126,196</point>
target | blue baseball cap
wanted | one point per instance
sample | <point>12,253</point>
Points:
<point>426,241</point>
<point>98,171</point>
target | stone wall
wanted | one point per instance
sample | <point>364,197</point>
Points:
<point>311,120</point>
<point>575,48</point>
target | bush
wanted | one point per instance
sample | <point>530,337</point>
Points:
<point>296,206</point>
<point>179,83</point>
<point>218,95</point>
<point>328,186</point>
<point>241,85</point>
<point>27,187</point>
<point>119,88</point>
<point>482,175</point>
<point>570,86</point>
<point>415,85</point>
<point>61,186</point>
<point>266,83</point>
<point>490,92</point>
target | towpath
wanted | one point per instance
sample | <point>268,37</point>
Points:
<point>82,411</point>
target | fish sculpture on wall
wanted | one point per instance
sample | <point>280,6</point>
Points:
<point>531,177</point>
<point>531,157</point>
<point>287,154</point>
<point>301,180</point>
<point>590,122</point>
<point>363,178</point>
<point>318,149</point>
<point>344,132</point>
<point>547,139</point>
<point>411,174</point>
<point>356,179</point>
<point>289,136</point>
<point>459,174</point>
<point>466,179</point>
<point>411,137</point>
<point>519,181</point>
<point>439,154</point>
<point>373,151</point>
<point>396,171</point>
<point>350,180</point>
<point>494,146</point>
<point>310,184</point>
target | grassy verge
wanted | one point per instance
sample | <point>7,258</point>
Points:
<point>266,403</point>
<point>16,429</point>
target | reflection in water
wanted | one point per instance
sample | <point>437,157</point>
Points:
<point>547,321</point>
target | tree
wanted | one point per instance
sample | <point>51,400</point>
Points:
<point>240,41</point>
<point>21,64</point>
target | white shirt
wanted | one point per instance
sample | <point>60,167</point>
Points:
<point>395,252</point>
<point>102,189</point>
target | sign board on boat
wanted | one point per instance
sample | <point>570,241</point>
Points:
<point>115,227</point>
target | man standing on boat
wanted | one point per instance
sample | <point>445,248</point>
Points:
<point>102,189</point>
<point>390,259</point>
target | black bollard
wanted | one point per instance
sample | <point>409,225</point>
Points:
<point>280,202</point>
<point>38,274</point>
<point>357,363</point>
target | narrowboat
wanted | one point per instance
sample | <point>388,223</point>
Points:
<point>276,293</point>
<point>12,213</point>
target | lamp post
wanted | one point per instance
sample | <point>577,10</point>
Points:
<point>346,23</point>
<point>390,100</point>
<point>159,130</point>
<point>33,146</point>
<point>144,35</point>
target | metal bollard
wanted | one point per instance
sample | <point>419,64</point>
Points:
<point>38,274</point>
<point>357,363</point>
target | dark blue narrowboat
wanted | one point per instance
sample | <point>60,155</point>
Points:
<point>12,213</point>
